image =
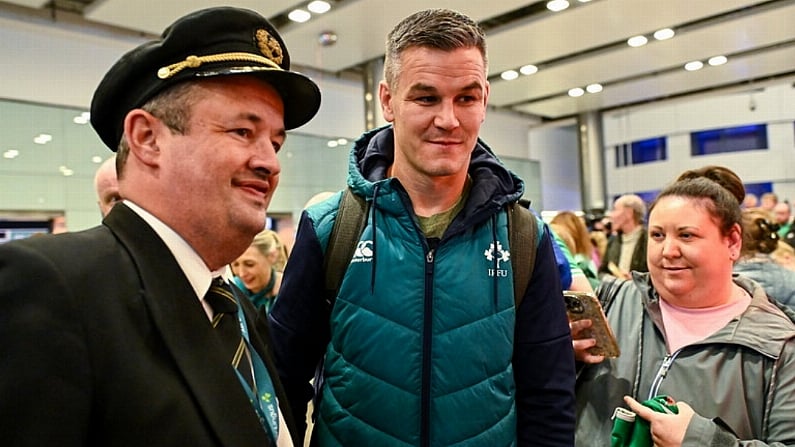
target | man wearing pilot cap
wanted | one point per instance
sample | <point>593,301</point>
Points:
<point>118,335</point>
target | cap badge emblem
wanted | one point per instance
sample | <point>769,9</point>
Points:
<point>269,46</point>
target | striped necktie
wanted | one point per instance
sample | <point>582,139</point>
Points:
<point>227,327</point>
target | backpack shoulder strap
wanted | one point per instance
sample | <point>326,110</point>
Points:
<point>522,236</point>
<point>348,226</point>
<point>608,289</point>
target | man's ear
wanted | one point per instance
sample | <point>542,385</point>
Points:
<point>386,101</point>
<point>141,130</point>
<point>485,100</point>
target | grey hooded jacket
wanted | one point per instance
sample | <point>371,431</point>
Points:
<point>740,380</point>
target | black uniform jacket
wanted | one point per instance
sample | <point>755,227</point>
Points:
<point>104,342</point>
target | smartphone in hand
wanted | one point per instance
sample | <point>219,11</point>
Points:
<point>585,305</point>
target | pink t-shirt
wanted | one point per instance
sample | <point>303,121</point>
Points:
<point>684,326</point>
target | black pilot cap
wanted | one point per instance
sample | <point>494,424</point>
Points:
<point>210,42</point>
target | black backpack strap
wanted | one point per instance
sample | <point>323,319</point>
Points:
<point>522,236</point>
<point>348,226</point>
<point>342,242</point>
<point>608,290</point>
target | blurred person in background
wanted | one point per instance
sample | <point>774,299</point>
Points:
<point>599,242</point>
<point>768,201</point>
<point>572,230</point>
<point>759,241</point>
<point>256,272</point>
<point>106,184</point>
<point>784,255</point>
<point>750,201</point>
<point>626,249</point>
<point>782,213</point>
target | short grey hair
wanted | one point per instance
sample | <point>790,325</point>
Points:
<point>441,29</point>
<point>636,204</point>
<point>173,107</point>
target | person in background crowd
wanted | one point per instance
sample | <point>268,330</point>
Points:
<point>572,230</point>
<point>58,225</point>
<point>255,270</point>
<point>714,343</point>
<point>599,243</point>
<point>784,255</point>
<point>782,213</point>
<point>572,276</point>
<point>424,343</point>
<point>759,241</point>
<point>626,250</point>
<point>768,201</point>
<point>107,186</point>
<point>750,201</point>
<point>115,336</point>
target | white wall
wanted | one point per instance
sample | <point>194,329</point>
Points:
<point>556,145</point>
<point>557,149</point>
<point>59,65</point>
<point>773,106</point>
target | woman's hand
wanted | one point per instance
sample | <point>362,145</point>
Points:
<point>581,344</point>
<point>667,430</point>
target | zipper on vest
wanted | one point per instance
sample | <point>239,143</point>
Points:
<point>427,336</point>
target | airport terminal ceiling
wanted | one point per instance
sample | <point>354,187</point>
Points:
<point>589,55</point>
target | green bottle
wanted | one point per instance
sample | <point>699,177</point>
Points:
<point>623,425</point>
<point>632,431</point>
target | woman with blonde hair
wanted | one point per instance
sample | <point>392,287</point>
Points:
<point>574,233</point>
<point>256,270</point>
<point>784,255</point>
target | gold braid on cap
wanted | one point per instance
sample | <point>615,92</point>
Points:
<point>196,61</point>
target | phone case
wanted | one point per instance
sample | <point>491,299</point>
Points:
<point>585,305</point>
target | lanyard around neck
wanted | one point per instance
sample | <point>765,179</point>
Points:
<point>263,396</point>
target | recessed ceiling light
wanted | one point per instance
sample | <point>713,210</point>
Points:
<point>528,69</point>
<point>693,66</point>
<point>96,159</point>
<point>663,34</point>
<point>342,141</point>
<point>319,6</point>
<point>576,92</point>
<point>83,118</point>
<point>65,171</point>
<point>557,5</point>
<point>509,75</point>
<point>637,41</point>
<point>332,143</point>
<point>299,15</point>
<point>11,153</point>
<point>594,88</point>
<point>42,138</point>
<point>717,60</point>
